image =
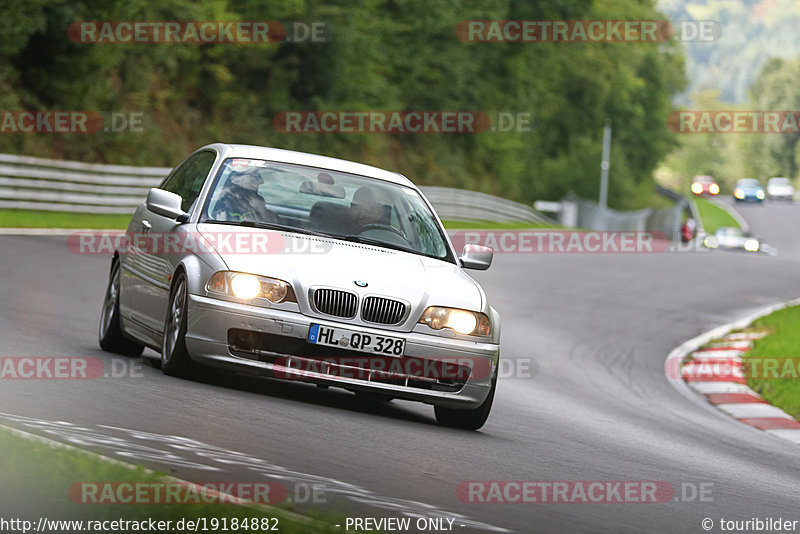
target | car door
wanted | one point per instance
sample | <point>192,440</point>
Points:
<point>146,291</point>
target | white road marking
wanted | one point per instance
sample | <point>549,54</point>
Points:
<point>173,450</point>
<point>708,388</point>
<point>753,409</point>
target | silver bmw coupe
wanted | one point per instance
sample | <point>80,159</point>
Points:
<point>309,268</point>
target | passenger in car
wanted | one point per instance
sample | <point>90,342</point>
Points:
<point>366,208</point>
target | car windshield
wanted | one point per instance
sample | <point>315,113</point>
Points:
<point>729,231</point>
<point>779,181</point>
<point>748,182</point>
<point>321,201</point>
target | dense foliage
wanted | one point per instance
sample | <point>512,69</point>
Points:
<point>382,55</point>
<point>729,157</point>
<point>752,32</point>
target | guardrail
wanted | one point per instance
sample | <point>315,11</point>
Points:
<point>462,205</point>
<point>72,186</point>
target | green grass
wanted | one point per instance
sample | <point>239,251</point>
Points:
<point>491,225</point>
<point>37,479</point>
<point>61,219</point>
<point>713,216</point>
<point>783,342</point>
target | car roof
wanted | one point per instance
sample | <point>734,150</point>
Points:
<point>310,160</point>
<point>748,180</point>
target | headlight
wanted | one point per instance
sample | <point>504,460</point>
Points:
<point>760,193</point>
<point>697,188</point>
<point>250,286</point>
<point>710,242</point>
<point>738,193</point>
<point>751,245</point>
<point>461,321</point>
<point>713,189</point>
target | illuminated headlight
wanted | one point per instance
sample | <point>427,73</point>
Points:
<point>249,286</point>
<point>713,189</point>
<point>697,189</point>
<point>711,242</point>
<point>760,194</point>
<point>738,193</point>
<point>751,245</point>
<point>461,321</point>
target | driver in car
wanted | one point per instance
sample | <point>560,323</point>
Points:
<point>240,200</point>
<point>366,209</point>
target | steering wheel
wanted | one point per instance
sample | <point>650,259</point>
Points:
<point>385,227</point>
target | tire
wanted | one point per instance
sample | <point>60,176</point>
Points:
<point>469,419</point>
<point>175,359</point>
<point>110,335</point>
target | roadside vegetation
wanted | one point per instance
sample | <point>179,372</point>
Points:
<point>60,219</point>
<point>40,475</point>
<point>380,56</point>
<point>713,216</point>
<point>782,343</point>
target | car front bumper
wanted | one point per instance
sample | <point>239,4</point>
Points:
<point>207,339</point>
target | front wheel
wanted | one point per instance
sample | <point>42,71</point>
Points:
<point>175,359</point>
<point>467,419</point>
<point>110,333</point>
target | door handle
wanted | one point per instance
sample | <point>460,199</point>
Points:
<point>146,225</point>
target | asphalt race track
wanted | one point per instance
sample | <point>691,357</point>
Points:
<point>597,328</point>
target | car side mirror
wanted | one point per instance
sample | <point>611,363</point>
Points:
<point>166,204</point>
<point>476,257</point>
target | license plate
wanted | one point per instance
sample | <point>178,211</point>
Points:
<point>349,339</point>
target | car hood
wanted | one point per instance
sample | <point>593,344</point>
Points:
<point>308,261</point>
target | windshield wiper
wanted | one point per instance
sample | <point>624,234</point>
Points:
<point>269,226</point>
<point>379,243</point>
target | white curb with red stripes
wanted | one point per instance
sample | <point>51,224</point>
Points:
<point>714,371</point>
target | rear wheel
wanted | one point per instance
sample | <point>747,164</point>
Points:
<point>467,419</point>
<point>110,333</point>
<point>175,359</point>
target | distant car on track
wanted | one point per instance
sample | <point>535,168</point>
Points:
<point>704,185</point>
<point>383,308</point>
<point>748,190</point>
<point>730,237</point>
<point>780,189</point>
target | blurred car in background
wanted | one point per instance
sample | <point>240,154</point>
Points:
<point>732,238</point>
<point>748,190</point>
<point>780,189</point>
<point>704,185</point>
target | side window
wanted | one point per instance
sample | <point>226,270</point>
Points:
<point>189,178</point>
